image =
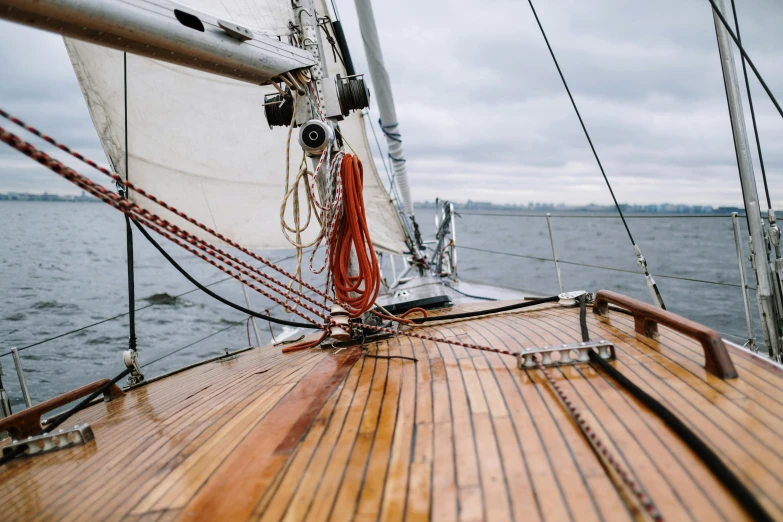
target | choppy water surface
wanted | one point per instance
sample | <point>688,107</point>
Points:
<point>63,266</point>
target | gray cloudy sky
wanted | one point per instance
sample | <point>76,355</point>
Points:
<point>482,110</point>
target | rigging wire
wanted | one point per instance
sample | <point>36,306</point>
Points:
<point>128,206</point>
<point>581,122</point>
<point>744,54</point>
<point>752,111</point>
<point>216,296</point>
<point>641,261</point>
<point>613,269</point>
<point>128,228</point>
<point>213,334</point>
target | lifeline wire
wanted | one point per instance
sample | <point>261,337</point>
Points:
<point>213,294</point>
<point>170,298</point>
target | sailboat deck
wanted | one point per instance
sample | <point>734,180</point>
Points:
<point>458,434</point>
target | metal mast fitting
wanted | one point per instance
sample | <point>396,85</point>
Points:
<point>164,30</point>
<point>770,315</point>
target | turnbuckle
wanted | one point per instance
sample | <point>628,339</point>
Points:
<point>563,354</point>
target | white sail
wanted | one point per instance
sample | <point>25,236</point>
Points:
<point>201,142</point>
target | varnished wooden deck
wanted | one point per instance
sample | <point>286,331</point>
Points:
<point>457,435</point>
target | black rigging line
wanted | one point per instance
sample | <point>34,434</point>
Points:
<point>752,111</point>
<point>60,419</point>
<point>581,122</point>
<point>128,229</point>
<point>213,334</point>
<point>746,57</point>
<point>216,296</point>
<point>709,458</point>
<point>477,313</point>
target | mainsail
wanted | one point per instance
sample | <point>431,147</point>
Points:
<point>202,143</point>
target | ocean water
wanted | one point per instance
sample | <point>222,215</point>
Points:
<point>63,266</point>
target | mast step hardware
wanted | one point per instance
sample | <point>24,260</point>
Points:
<point>60,439</point>
<point>575,353</point>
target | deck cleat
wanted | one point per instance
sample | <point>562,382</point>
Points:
<point>565,354</point>
<point>57,440</point>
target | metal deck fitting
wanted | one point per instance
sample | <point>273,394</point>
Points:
<point>575,353</point>
<point>60,439</point>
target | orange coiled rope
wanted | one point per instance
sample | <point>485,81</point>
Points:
<point>359,291</point>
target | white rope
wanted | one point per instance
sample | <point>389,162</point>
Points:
<point>327,211</point>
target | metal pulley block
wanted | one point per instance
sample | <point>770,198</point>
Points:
<point>564,354</point>
<point>131,360</point>
<point>569,298</point>
<point>315,136</point>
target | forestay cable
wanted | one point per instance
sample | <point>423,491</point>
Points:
<point>752,111</point>
<point>641,261</point>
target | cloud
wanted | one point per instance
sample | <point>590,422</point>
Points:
<point>482,110</point>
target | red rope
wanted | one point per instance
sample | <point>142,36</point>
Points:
<point>357,292</point>
<point>129,185</point>
<point>156,223</point>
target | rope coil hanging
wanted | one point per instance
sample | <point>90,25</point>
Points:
<point>358,291</point>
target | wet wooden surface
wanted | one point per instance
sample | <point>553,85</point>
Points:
<point>457,434</point>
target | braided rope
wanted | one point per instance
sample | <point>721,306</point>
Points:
<point>129,185</point>
<point>600,448</point>
<point>158,224</point>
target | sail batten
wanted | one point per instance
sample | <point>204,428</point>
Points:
<point>202,143</point>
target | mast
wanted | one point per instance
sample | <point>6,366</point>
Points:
<point>770,317</point>
<point>383,95</point>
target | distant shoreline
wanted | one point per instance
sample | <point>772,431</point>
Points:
<point>538,209</point>
<point>47,198</point>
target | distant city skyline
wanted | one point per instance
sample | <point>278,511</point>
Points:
<point>653,208</point>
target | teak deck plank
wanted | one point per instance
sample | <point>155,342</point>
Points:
<point>457,434</point>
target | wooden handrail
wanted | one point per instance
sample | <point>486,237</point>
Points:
<point>647,317</point>
<point>27,423</point>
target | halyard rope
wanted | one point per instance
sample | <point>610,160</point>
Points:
<point>11,138</point>
<point>154,222</point>
<point>141,192</point>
